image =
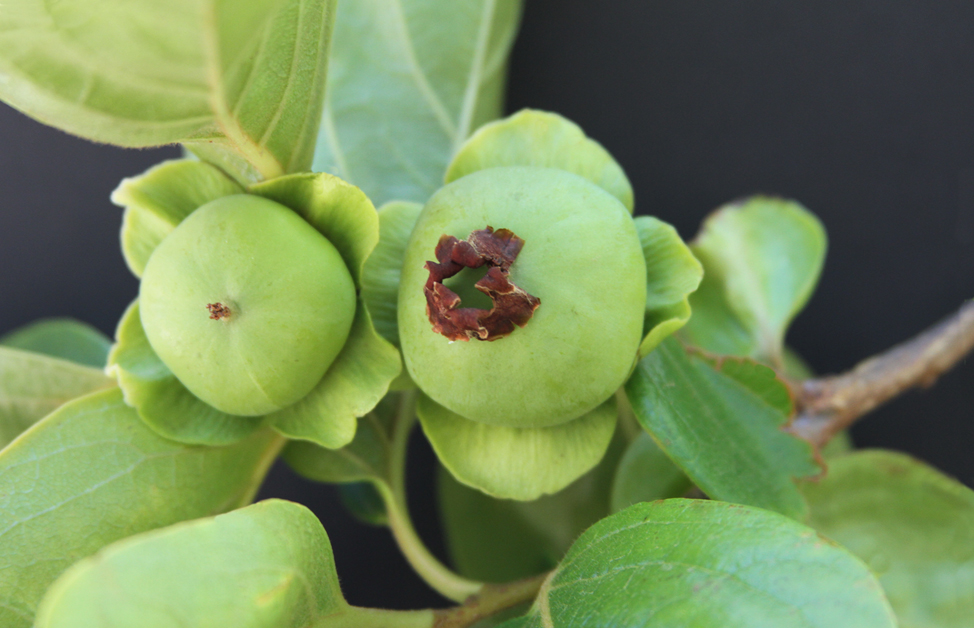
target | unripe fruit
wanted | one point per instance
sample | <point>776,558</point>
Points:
<point>247,304</point>
<point>580,257</point>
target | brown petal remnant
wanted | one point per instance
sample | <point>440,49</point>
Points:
<point>218,311</point>
<point>512,305</point>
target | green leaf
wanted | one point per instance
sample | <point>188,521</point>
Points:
<point>517,463</point>
<point>159,199</point>
<point>33,385</point>
<point>704,564</point>
<point>383,269</point>
<point>840,445</point>
<point>546,140</point>
<point>761,381</point>
<point>241,77</point>
<point>361,468</point>
<point>92,473</point>
<point>489,539</point>
<point>722,427</point>
<point>430,71</point>
<point>646,474</point>
<point>911,524</point>
<point>501,540</point>
<point>338,210</point>
<point>763,258</point>
<point>714,327</point>
<point>364,501</point>
<point>672,273</point>
<point>269,564</point>
<point>63,338</point>
<point>161,399</point>
<point>355,382</point>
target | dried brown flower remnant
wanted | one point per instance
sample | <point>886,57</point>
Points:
<point>218,311</point>
<point>512,305</point>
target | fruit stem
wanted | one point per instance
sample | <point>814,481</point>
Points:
<point>443,580</point>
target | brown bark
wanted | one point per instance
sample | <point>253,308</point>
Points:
<point>828,405</point>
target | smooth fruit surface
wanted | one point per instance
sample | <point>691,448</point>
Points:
<point>581,257</point>
<point>247,304</point>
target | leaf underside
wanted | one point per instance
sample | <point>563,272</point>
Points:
<point>409,81</point>
<point>268,565</point>
<point>33,385</point>
<point>243,77</point>
<point>92,473</point>
<point>63,338</point>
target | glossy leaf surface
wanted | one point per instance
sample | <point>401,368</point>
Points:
<point>546,140</point>
<point>704,564</point>
<point>383,269</point>
<point>244,75</point>
<point>92,473</point>
<point>517,463</point>
<point>722,426</point>
<point>267,565</point>
<point>762,259</point>
<point>911,524</point>
<point>33,385</point>
<point>409,81</point>
<point>672,274</point>
<point>63,338</point>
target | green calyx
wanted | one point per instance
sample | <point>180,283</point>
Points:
<point>248,311</point>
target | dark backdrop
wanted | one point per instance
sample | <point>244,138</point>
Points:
<point>862,111</point>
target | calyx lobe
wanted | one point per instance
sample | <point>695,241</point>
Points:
<point>512,305</point>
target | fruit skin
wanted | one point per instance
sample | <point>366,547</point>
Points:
<point>581,257</point>
<point>290,296</point>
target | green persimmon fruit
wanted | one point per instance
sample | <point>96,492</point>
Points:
<point>579,259</point>
<point>247,304</point>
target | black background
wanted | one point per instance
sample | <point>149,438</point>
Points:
<point>862,111</point>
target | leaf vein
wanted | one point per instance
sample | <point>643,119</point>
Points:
<point>419,76</point>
